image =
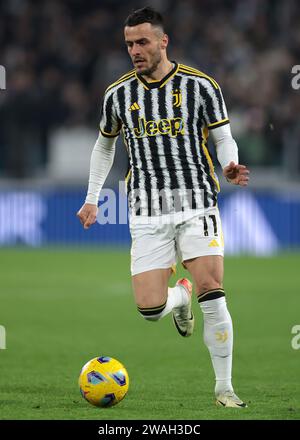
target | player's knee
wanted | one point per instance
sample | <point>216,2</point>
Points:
<point>152,313</point>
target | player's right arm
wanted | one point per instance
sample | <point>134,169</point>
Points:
<point>101,160</point>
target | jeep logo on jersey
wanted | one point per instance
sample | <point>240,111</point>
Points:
<point>172,126</point>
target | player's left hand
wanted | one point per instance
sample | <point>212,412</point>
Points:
<point>236,174</point>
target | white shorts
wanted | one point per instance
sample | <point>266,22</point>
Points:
<point>158,242</point>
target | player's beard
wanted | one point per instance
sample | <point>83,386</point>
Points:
<point>152,68</point>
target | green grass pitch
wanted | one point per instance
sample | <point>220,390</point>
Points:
<point>61,308</point>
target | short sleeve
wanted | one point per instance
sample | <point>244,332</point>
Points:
<point>214,108</point>
<point>110,124</point>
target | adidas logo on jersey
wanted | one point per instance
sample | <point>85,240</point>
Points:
<point>134,106</point>
<point>213,243</point>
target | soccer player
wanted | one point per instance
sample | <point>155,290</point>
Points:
<point>166,111</point>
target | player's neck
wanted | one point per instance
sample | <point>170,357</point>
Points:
<point>162,70</point>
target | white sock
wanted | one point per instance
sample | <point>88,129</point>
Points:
<point>177,296</point>
<point>218,337</point>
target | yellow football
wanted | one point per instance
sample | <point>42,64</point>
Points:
<point>103,381</point>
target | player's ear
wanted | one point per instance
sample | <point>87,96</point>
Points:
<point>164,41</point>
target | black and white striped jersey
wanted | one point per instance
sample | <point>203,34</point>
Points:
<point>165,127</point>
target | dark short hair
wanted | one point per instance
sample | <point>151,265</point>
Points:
<point>145,15</point>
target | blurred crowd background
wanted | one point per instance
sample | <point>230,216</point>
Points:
<point>61,55</point>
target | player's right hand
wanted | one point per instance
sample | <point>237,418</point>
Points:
<point>87,215</point>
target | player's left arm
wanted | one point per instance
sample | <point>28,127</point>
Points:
<point>217,122</point>
<point>227,153</point>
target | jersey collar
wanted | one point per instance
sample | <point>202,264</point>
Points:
<point>158,84</point>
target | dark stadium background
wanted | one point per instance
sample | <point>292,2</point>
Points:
<point>62,288</point>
